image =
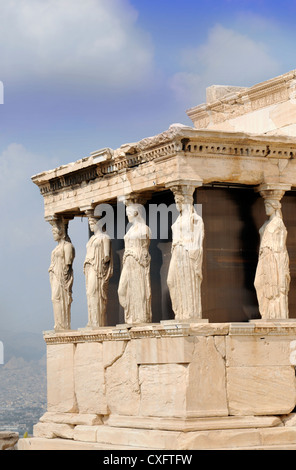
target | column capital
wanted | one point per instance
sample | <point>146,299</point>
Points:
<point>56,219</point>
<point>184,188</point>
<point>135,198</point>
<point>183,183</point>
<point>89,212</point>
<point>273,191</point>
<point>89,207</point>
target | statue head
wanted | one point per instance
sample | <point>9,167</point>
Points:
<point>60,229</point>
<point>95,224</point>
<point>273,207</point>
<point>135,212</point>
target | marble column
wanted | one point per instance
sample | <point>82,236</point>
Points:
<point>98,269</point>
<point>61,273</point>
<point>272,279</point>
<point>185,270</point>
<point>134,290</point>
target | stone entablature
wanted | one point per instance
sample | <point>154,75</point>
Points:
<point>179,153</point>
<point>267,107</point>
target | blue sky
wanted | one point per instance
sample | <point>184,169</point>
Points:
<point>80,75</point>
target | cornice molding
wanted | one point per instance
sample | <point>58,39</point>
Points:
<point>234,104</point>
<point>181,141</point>
<point>174,329</point>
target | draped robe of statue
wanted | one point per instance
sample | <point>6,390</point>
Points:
<point>272,278</point>
<point>134,288</point>
<point>185,270</point>
<point>98,268</point>
<point>61,280</point>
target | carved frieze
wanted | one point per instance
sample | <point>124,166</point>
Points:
<point>150,167</point>
<point>153,330</point>
<point>71,179</point>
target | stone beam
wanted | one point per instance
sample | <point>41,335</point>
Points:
<point>181,153</point>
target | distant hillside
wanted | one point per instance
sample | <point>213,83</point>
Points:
<point>16,363</point>
<point>22,383</point>
<point>26,345</point>
<point>22,394</point>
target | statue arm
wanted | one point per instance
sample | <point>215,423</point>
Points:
<point>282,258</point>
<point>107,265</point>
<point>107,249</point>
<point>196,235</point>
<point>69,254</point>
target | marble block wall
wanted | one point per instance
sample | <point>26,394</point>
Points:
<point>218,370</point>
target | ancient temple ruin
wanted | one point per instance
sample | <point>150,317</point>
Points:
<point>189,340</point>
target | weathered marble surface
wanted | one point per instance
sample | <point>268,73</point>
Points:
<point>98,269</point>
<point>8,440</point>
<point>272,280</point>
<point>266,108</point>
<point>155,390</point>
<point>134,290</point>
<point>192,386</point>
<point>61,275</point>
<point>185,270</point>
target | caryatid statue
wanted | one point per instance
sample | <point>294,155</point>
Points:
<point>134,290</point>
<point>61,274</point>
<point>98,268</point>
<point>272,280</point>
<point>185,270</point>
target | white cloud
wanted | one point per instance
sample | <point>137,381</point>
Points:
<point>17,165</point>
<point>227,58</point>
<point>20,202</point>
<point>95,40</point>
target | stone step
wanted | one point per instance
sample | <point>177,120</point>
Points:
<point>67,444</point>
<point>35,443</point>
<point>111,437</point>
<point>193,424</point>
<point>206,440</point>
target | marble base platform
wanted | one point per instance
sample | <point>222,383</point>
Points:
<point>200,386</point>
<point>127,433</point>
